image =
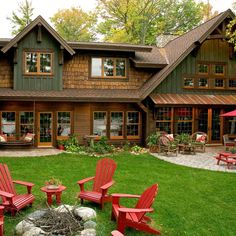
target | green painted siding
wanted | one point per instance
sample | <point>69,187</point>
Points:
<point>210,51</point>
<point>33,82</point>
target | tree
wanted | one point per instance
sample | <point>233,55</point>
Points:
<point>231,32</point>
<point>21,19</point>
<point>136,21</point>
<point>74,24</point>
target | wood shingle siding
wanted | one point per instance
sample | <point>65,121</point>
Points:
<point>6,73</point>
<point>76,75</point>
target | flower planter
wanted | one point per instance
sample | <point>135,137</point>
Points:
<point>154,148</point>
<point>52,186</point>
<point>61,147</point>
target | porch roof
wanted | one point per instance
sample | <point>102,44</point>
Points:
<point>193,99</point>
<point>73,95</point>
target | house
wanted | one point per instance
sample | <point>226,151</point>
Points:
<point>55,88</point>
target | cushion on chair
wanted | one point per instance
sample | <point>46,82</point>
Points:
<point>29,137</point>
<point>170,136</point>
<point>3,138</point>
<point>201,138</point>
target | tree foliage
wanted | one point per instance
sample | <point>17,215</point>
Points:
<point>231,33</point>
<point>22,18</point>
<point>74,24</point>
<point>136,21</point>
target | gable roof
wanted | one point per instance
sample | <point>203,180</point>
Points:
<point>179,48</point>
<point>28,28</point>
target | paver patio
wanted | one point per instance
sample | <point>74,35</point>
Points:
<point>204,160</point>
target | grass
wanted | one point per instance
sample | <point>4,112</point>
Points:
<point>190,201</point>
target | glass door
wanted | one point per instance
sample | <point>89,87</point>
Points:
<point>45,129</point>
<point>215,126</point>
<point>203,120</point>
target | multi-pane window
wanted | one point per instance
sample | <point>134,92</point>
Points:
<point>163,119</point>
<point>203,82</point>
<point>8,123</point>
<point>116,125</point>
<point>108,67</point>
<point>26,122</point>
<point>188,82</point>
<point>100,123</point>
<point>219,69</point>
<point>133,124</point>
<point>183,120</point>
<point>232,83</point>
<point>38,63</point>
<point>203,68</point>
<point>219,83</point>
<point>63,123</point>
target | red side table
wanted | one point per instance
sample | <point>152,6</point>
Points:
<point>51,192</point>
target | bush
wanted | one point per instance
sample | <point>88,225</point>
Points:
<point>102,146</point>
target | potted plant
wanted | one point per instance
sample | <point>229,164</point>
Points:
<point>152,142</point>
<point>53,183</point>
<point>61,144</point>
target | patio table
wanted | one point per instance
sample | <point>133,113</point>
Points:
<point>226,157</point>
<point>187,148</point>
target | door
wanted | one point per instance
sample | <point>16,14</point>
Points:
<point>215,125</point>
<point>45,120</point>
<point>209,123</point>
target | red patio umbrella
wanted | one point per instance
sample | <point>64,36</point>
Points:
<point>231,113</point>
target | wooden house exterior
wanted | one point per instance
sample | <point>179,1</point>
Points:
<point>55,88</point>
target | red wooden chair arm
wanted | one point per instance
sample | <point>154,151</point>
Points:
<point>124,195</point>
<point>23,183</point>
<point>116,233</point>
<point>6,194</point>
<point>134,210</point>
<point>27,184</point>
<point>107,185</point>
<point>85,180</point>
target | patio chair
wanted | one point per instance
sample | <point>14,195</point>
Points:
<point>102,181</point>
<point>227,142</point>
<point>135,217</point>
<point>199,140</point>
<point>167,145</point>
<point>12,201</point>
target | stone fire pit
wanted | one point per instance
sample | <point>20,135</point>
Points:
<point>64,220</point>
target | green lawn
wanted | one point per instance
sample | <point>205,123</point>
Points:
<point>189,202</point>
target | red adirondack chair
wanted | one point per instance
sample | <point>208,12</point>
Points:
<point>1,220</point>
<point>12,201</point>
<point>135,217</point>
<point>102,181</point>
<point>116,233</point>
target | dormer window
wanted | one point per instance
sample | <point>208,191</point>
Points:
<point>108,67</point>
<point>38,63</point>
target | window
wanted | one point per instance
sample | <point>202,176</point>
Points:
<point>219,83</point>
<point>203,68</point>
<point>232,83</point>
<point>8,121</point>
<point>203,82</point>
<point>26,123</point>
<point>63,123</point>
<point>116,125</point>
<point>188,82</point>
<point>108,67</point>
<point>100,123</point>
<point>38,63</point>
<point>183,120</point>
<point>133,124</point>
<point>163,119</point>
<point>219,69</point>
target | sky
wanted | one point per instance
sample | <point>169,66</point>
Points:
<point>47,8</point>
